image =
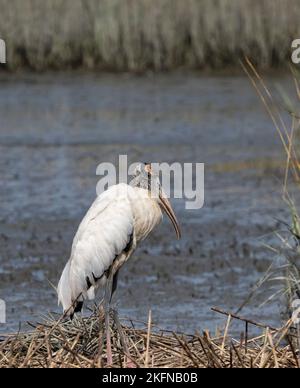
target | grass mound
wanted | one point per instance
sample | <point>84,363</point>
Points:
<point>81,343</point>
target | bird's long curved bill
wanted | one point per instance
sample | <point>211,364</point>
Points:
<point>170,213</point>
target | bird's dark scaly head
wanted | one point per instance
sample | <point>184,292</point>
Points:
<point>147,179</point>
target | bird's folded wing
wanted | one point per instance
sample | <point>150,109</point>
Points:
<point>103,234</point>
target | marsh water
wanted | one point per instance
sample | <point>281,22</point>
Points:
<point>54,131</point>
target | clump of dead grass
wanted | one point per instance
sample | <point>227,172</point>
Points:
<point>80,343</point>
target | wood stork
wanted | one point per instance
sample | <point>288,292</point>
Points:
<point>116,222</point>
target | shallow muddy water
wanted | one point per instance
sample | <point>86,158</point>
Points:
<point>56,129</point>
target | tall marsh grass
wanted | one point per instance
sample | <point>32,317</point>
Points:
<point>137,35</point>
<point>284,273</point>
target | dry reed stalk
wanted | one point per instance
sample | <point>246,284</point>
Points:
<point>148,340</point>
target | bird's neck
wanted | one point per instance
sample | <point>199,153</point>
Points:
<point>147,213</point>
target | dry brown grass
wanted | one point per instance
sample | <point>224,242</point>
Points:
<point>136,35</point>
<point>77,344</point>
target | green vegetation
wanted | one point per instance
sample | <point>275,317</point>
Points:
<point>136,35</point>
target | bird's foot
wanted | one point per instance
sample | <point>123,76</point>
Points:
<point>130,364</point>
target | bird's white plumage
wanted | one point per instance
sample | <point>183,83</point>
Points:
<point>119,215</point>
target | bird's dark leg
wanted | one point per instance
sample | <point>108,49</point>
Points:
<point>110,290</point>
<point>129,363</point>
<point>114,285</point>
<point>107,300</point>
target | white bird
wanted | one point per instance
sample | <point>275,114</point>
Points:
<point>116,222</point>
